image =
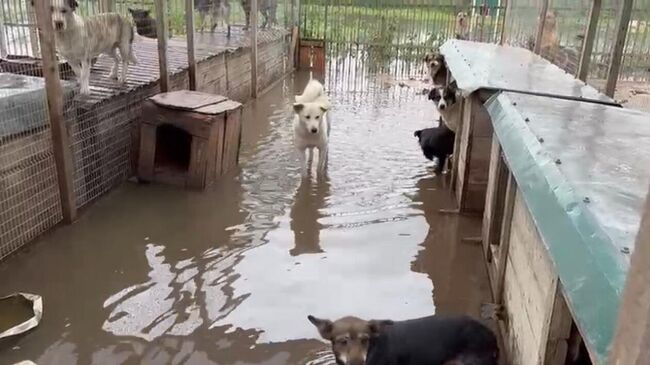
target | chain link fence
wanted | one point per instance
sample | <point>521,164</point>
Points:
<point>562,41</point>
<point>391,36</point>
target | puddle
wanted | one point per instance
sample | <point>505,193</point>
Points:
<point>152,274</point>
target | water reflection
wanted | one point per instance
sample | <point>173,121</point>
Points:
<point>229,276</point>
<point>305,215</point>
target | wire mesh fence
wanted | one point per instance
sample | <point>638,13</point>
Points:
<point>393,36</point>
<point>101,107</point>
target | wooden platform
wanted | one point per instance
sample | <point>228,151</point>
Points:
<point>146,72</point>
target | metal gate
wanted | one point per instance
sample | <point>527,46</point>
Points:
<point>393,35</point>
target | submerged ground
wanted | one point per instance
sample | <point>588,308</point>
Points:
<point>156,275</point>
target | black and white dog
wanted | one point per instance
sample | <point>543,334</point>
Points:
<point>445,100</point>
<point>433,340</point>
<point>437,142</point>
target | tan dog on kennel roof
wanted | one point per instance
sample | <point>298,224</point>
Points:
<point>79,40</point>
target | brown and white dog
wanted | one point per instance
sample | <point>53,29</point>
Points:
<point>79,40</point>
<point>433,340</point>
<point>462,26</point>
<point>550,41</point>
<point>435,64</point>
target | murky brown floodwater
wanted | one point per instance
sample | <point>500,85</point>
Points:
<point>156,275</point>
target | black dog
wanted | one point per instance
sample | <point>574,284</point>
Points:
<point>437,142</point>
<point>144,23</point>
<point>433,340</point>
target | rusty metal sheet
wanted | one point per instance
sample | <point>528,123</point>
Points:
<point>477,66</point>
<point>584,171</point>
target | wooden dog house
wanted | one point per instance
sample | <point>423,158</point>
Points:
<point>188,138</point>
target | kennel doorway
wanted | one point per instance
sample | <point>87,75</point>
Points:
<point>188,138</point>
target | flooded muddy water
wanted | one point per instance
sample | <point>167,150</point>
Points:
<point>153,274</point>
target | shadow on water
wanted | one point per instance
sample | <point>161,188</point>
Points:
<point>153,274</point>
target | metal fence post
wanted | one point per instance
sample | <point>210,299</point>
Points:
<point>503,22</point>
<point>191,56</point>
<point>253,30</point>
<point>616,59</point>
<point>588,44</point>
<point>54,95</point>
<point>540,27</point>
<point>163,34</point>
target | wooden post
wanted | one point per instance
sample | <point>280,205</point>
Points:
<point>503,23</point>
<point>191,57</point>
<point>163,34</point>
<point>590,36</point>
<point>60,143</point>
<point>624,14</point>
<point>540,27</point>
<point>632,336</point>
<point>253,17</point>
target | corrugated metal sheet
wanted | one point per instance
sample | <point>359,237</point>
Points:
<point>584,171</point>
<point>477,66</point>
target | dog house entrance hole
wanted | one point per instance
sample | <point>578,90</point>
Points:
<point>173,149</point>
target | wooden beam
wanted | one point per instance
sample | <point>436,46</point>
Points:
<point>163,35</point>
<point>54,94</point>
<point>253,30</point>
<point>191,54</point>
<point>504,243</point>
<point>631,345</point>
<point>540,27</point>
<point>556,328</point>
<point>588,43</point>
<point>616,59</point>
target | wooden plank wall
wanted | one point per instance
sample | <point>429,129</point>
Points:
<point>473,155</point>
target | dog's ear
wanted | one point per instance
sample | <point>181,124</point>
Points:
<point>417,133</point>
<point>376,327</point>
<point>323,108</point>
<point>427,57</point>
<point>73,4</point>
<point>297,107</point>
<point>324,326</point>
<point>131,11</point>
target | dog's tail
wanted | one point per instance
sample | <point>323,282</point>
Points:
<point>314,90</point>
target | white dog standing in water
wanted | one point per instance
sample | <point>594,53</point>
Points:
<point>311,128</point>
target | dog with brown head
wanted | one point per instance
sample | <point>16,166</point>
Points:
<point>350,337</point>
<point>435,64</point>
<point>432,340</point>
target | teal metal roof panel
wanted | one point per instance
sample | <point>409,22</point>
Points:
<point>584,171</point>
<point>476,65</point>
